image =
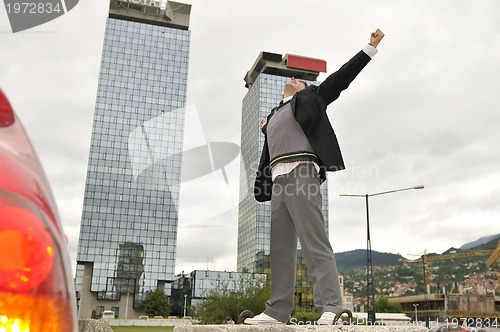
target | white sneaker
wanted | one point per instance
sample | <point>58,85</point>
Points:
<point>261,319</point>
<point>326,318</point>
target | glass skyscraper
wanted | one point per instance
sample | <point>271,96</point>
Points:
<point>128,234</point>
<point>265,82</point>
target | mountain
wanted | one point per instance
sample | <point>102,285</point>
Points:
<point>486,242</point>
<point>488,245</point>
<point>450,251</point>
<point>355,259</point>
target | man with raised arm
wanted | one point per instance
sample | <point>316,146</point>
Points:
<point>300,147</point>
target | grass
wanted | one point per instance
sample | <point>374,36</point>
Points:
<point>143,328</point>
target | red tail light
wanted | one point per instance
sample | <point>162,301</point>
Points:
<point>33,284</point>
<point>6,113</point>
<point>29,248</point>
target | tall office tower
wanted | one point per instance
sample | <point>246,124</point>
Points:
<point>128,234</point>
<point>265,82</point>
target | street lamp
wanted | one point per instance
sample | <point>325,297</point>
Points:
<point>185,304</point>
<point>416,311</point>
<point>126,307</point>
<point>369,266</point>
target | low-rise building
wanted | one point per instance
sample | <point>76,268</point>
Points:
<point>438,307</point>
<point>189,289</point>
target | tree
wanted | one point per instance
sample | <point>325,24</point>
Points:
<point>383,305</point>
<point>222,303</point>
<point>156,304</point>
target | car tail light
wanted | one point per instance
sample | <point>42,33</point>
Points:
<point>6,112</point>
<point>33,283</point>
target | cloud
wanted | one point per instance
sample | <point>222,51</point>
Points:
<point>208,243</point>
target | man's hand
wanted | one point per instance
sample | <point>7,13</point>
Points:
<point>376,37</point>
<point>263,122</point>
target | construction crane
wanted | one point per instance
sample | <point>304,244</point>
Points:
<point>425,264</point>
<point>426,259</point>
<point>457,254</point>
<point>494,256</point>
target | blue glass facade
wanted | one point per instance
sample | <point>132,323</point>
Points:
<point>129,222</point>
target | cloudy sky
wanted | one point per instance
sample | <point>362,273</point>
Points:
<point>425,111</point>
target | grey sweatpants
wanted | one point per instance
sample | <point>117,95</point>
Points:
<point>296,213</point>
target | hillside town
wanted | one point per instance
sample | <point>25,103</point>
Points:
<point>435,286</point>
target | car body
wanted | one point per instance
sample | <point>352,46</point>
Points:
<point>36,285</point>
<point>449,328</point>
<point>478,329</point>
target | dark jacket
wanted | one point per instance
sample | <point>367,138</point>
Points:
<point>309,109</point>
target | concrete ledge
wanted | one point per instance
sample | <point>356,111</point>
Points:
<point>93,325</point>
<point>150,322</point>
<point>297,328</point>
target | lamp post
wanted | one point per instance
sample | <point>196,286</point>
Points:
<point>185,304</point>
<point>126,307</point>
<point>416,312</point>
<point>369,266</point>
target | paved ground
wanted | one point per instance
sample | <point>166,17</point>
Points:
<point>297,328</point>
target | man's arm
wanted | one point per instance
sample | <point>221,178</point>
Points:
<point>337,82</point>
